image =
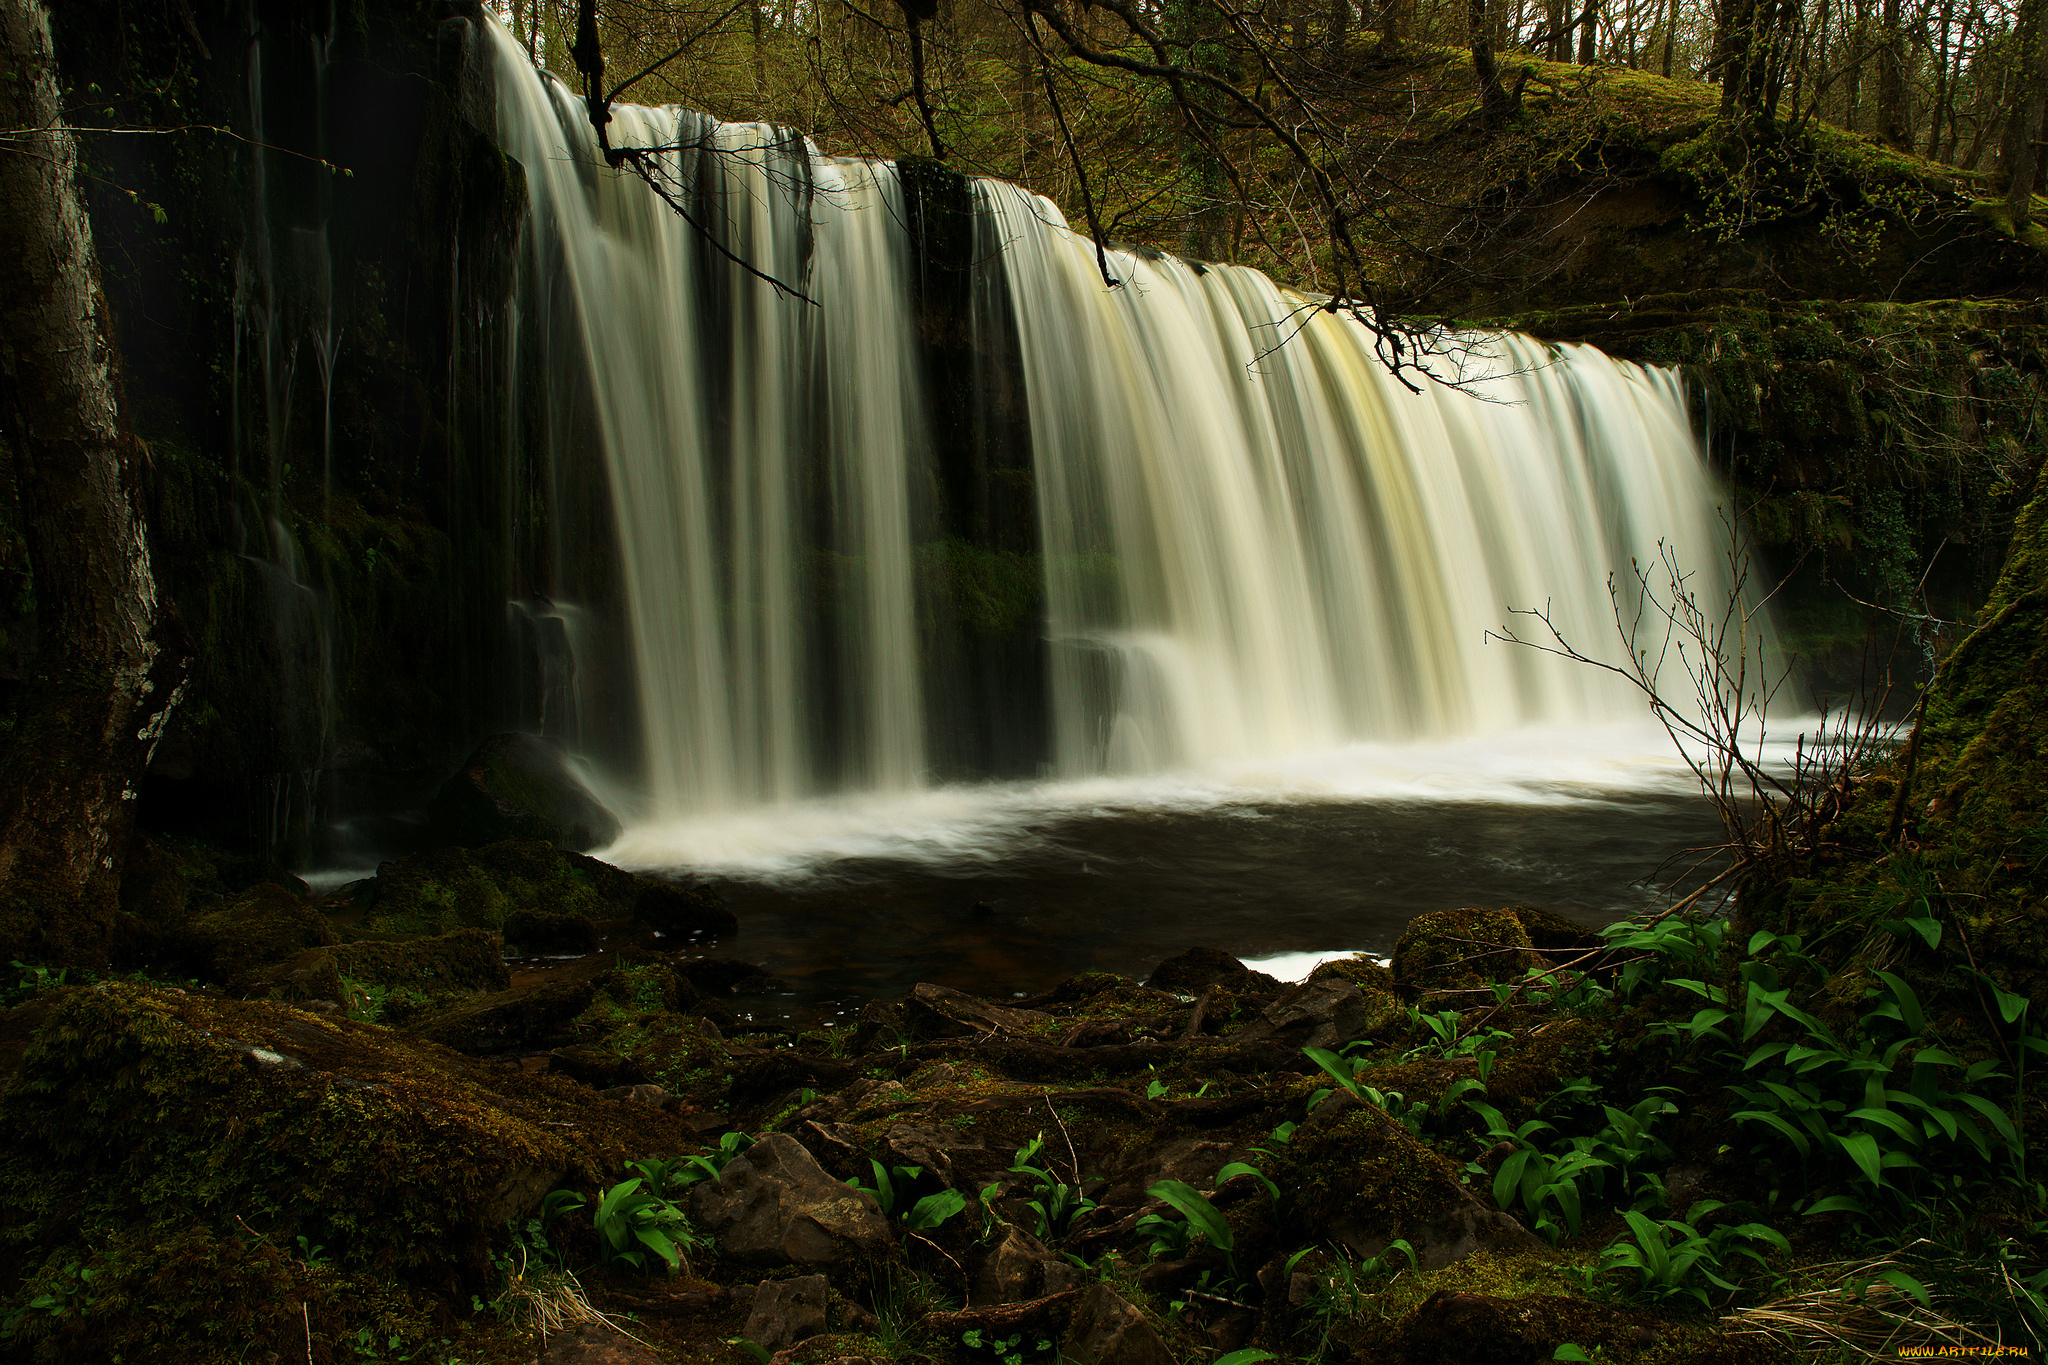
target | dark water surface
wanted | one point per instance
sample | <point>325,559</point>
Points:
<point>1120,891</point>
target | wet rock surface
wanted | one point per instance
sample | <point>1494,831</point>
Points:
<point>775,1205</point>
<point>516,786</point>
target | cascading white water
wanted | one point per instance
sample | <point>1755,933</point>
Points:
<point>1255,542</point>
<point>711,385</point>
<point>1259,542</point>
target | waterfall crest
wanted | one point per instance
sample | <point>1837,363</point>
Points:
<point>1251,541</point>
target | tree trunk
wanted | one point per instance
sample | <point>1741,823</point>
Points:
<point>103,684</point>
<point>2022,151</point>
<point>1891,81</point>
<point>1494,104</point>
<point>1589,32</point>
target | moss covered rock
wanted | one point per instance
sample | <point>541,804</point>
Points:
<point>1359,1180</point>
<point>1460,950</point>
<point>453,888</point>
<point>518,787</point>
<point>259,929</point>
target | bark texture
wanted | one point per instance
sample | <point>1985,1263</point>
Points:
<point>103,685</point>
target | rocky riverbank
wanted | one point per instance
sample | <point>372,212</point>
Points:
<point>413,1150</point>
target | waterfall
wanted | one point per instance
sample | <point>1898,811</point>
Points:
<point>1251,541</point>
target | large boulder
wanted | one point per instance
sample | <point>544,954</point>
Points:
<point>774,1205</point>
<point>1022,1268</point>
<point>517,787</point>
<point>194,1153</point>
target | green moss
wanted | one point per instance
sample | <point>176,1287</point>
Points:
<point>1359,1178</point>
<point>453,888</point>
<point>1460,949</point>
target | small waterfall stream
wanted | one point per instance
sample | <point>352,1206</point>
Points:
<point>1252,542</point>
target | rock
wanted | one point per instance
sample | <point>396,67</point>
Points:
<point>596,1344</point>
<point>1195,970</point>
<point>517,787</point>
<point>1550,933</point>
<point>786,1312</point>
<point>774,1205</point>
<point>638,1094</point>
<point>880,1024</point>
<point>389,982</point>
<point>1191,1160</point>
<point>1460,950</point>
<point>778,1073</point>
<point>1108,1331</point>
<point>933,1077</point>
<point>1323,1011</point>
<point>211,1098</point>
<point>932,1011</point>
<point>261,928</point>
<point>452,888</point>
<point>597,1067</point>
<point>507,1021</point>
<point>1463,1328</point>
<point>1021,1267</point>
<point>537,933</point>
<point>1357,1178</point>
<point>250,872</point>
<point>931,1146</point>
<point>682,912</point>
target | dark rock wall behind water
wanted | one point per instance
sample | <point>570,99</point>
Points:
<point>316,348</point>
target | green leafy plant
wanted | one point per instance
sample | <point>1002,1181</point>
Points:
<point>1055,1203</point>
<point>1667,1259</point>
<point>639,1228</point>
<point>1547,1186</point>
<point>1010,1350</point>
<point>892,1187</point>
<point>707,1165</point>
<point>1198,1217</point>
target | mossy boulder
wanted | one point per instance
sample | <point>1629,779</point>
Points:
<point>1195,970</point>
<point>451,888</point>
<point>1355,1178</point>
<point>518,787</point>
<point>400,1158</point>
<point>1553,933</point>
<point>389,981</point>
<point>264,926</point>
<point>1376,987</point>
<point>1460,950</point>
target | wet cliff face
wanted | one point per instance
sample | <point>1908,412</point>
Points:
<point>310,282</point>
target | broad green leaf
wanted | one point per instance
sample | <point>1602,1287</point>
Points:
<point>1885,1118</point>
<point>1908,1002</point>
<point>1993,1115</point>
<point>1836,1203</point>
<point>1863,1150</point>
<point>934,1209</point>
<point>1793,1135</point>
<point>1196,1208</point>
<point>1899,1279</point>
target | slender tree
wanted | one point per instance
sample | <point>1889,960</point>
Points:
<point>104,682</point>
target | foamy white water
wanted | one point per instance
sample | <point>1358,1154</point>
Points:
<point>965,826</point>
